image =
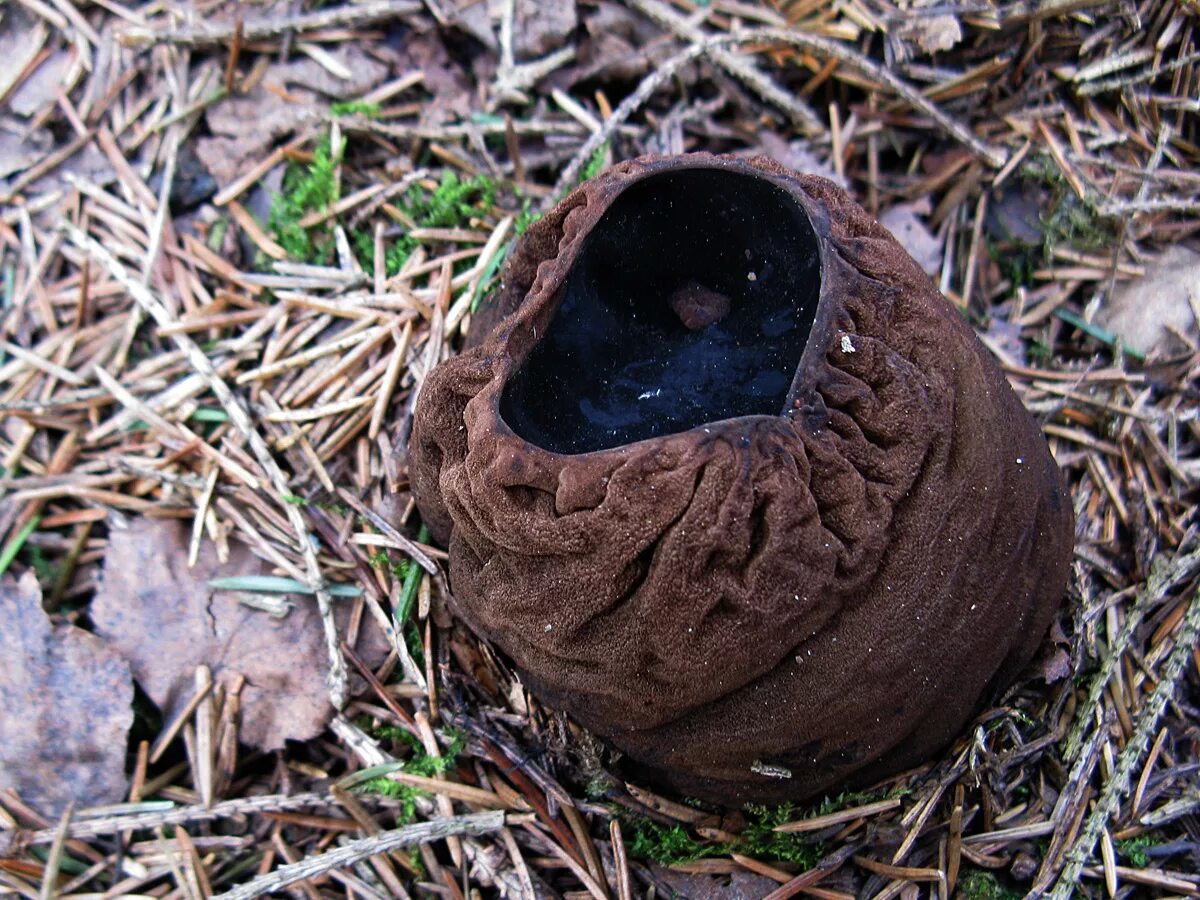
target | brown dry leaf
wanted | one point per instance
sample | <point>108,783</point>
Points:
<point>167,621</point>
<point>799,156</point>
<point>1142,312</point>
<point>905,221</point>
<point>22,37</point>
<point>616,45</point>
<point>1006,335</point>
<point>289,98</point>
<point>474,18</point>
<point>19,148</point>
<point>923,31</point>
<point>543,26</point>
<point>737,886</point>
<point>43,84</point>
<point>1055,665</point>
<point>443,77</point>
<point>67,707</point>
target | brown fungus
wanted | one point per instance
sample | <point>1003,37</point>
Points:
<point>736,487</point>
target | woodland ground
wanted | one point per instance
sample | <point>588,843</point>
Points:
<point>234,237</point>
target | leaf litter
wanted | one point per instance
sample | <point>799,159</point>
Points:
<point>273,663</point>
<point>245,362</point>
<point>1158,312</point>
<point>67,701</point>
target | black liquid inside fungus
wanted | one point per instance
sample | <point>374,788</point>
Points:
<point>690,302</point>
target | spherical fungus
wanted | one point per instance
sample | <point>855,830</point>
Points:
<point>735,486</point>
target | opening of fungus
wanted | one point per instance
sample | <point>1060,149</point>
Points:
<point>690,302</point>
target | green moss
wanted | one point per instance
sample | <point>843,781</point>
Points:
<point>1134,849</point>
<point>454,201</point>
<point>1038,350</point>
<point>333,506</point>
<point>526,217</point>
<point>47,572</point>
<point>763,842</point>
<point>1076,223</point>
<point>399,568</point>
<point>354,108</point>
<point>1070,220</point>
<point>976,884</point>
<point>670,846</point>
<point>406,794</point>
<point>595,164</point>
<point>1016,264</point>
<point>306,189</point>
<point>419,763</point>
<point>452,204</point>
<point>415,643</point>
<point>849,799</point>
<point>675,845</point>
<point>313,188</point>
<point>216,234</point>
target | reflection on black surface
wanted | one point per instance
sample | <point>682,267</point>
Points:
<point>690,302</point>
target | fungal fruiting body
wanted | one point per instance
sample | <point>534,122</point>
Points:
<point>731,483</point>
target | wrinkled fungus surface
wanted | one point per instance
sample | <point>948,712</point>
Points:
<point>690,302</point>
<point>767,535</point>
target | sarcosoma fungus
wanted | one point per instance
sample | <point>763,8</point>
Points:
<point>732,484</point>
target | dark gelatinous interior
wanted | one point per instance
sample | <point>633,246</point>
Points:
<point>690,302</point>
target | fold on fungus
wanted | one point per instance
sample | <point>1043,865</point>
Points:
<point>736,487</point>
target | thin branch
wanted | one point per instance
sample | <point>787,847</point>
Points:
<point>83,828</point>
<point>995,156</point>
<point>739,67</point>
<point>355,851</point>
<point>354,15</point>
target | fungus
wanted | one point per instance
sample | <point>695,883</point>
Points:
<point>732,484</point>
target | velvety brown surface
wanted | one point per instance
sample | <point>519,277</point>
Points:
<point>832,591</point>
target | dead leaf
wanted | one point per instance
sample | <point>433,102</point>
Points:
<point>167,621</point>
<point>917,32</point>
<point>42,85</point>
<point>474,18</point>
<point>543,26</point>
<point>736,886</point>
<point>88,163</point>
<point>18,150</point>
<point>1007,336</point>
<point>443,77</point>
<point>233,147</point>
<point>1015,214</point>
<point>1055,665</point>
<point>905,222</point>
<point>67,701</point>
<point>365,71</point>
<point>798,156</point>
<point>22,37</point>
<point>291,96</point>
<point>936,33</point>
<point>1142,311</point>
<point>616,46</point>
